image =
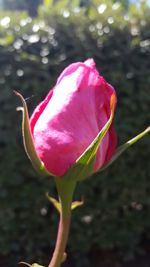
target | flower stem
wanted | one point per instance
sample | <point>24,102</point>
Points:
<point>65,190</point>
<point>62,237</point>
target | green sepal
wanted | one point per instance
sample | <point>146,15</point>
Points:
<point>28,140</point>
<point>123,147</point>
<point>57,204</point>
<point>84,165</point>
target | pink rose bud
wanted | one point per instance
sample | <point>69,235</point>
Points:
<point>70,118</point>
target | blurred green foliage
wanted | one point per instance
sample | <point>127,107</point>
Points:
<point>29,5</point>
<point>33,52</point>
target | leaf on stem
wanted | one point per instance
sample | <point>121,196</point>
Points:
<point>54,202</point>
<point>57,204</point>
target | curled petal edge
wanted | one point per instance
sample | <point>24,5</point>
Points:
<point>123,147</point>
<point>28,140</point>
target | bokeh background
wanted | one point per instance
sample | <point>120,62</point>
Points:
<point>38,39</point>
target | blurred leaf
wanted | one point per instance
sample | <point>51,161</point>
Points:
<point>48,3</point>
<point>7,40</point>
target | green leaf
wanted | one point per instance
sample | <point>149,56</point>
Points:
<point>57,204</point>
<point>122,148</point>
<point>28,140</point>
<point>85,163</point>
<point>76,204</point>
<point>48,3</point>
<point>60,5</point>
<point>7,40</point>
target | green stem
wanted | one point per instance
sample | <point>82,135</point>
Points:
<point>65,190</point>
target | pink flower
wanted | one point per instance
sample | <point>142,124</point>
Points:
<point>71,116</point>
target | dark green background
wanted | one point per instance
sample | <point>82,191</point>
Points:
<point>33,52</point>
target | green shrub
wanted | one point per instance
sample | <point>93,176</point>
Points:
<point>116,213</point>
